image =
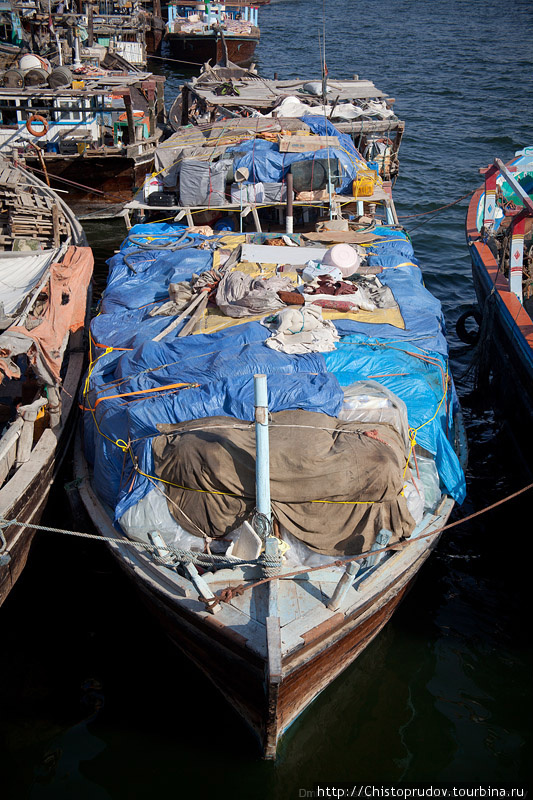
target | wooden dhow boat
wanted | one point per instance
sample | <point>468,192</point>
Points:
<point>263,174</point>
<point>271,443</point>
<point>45,272</point>
<point>197,32</point>
<point>356,107</point>
<point>134,33</point>
<point>91,133</point>
<point>499,232</point>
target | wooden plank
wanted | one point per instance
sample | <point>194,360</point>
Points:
<point>274,648</point>
<point>289,608</point>
<point>350,237</point>
<point>306,144</point>
<point>259,609</point>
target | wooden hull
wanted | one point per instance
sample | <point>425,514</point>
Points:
<point>96,185</point>
<point>24,496</point>
<point>511,334</point>
<point>25,488</point>
<point>154,36</point>
<point>199,49</point>
<point>269,697</point>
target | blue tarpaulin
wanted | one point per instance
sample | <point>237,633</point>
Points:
<point>136,384</point>
<point>266,164</point>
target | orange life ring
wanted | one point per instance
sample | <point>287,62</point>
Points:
<point>37,118</point>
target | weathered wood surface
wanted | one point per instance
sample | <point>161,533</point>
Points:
<point>200,49</point>
<point>104,182</point>
<point>23,497</point>
<point>272,650</point>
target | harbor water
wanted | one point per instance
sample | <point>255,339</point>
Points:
<point>95,704</point>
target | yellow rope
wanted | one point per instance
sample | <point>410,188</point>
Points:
<point>126,447</point>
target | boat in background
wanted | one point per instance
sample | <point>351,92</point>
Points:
<point>45,273</point>
<point>131,29</point>
<point>198,32</point>
<point>356,107</point>
<point>89,129</point>
<point>266,174</point>
<point>499,233</point>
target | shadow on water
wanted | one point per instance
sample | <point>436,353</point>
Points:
<point>97,704</point>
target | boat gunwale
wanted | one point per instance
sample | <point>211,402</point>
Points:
<point>161,579</point>
<point>514,316</point>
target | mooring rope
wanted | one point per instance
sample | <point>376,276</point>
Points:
<point>186,556</point>
<point>205,559</point>
<point>433,212</point>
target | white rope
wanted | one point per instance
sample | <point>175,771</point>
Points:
<point>185,556</point>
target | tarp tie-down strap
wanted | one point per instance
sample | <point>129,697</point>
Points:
<point>145,391</point>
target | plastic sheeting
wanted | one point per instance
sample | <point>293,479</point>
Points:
<point>416,377</point>
<point>137,384</point>
<point>65,312</point>
<point>266,164</point>
<point>219,366</point>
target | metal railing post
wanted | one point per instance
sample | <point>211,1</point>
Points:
<point>263,517</point>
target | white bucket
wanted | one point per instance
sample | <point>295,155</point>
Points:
<point>343,257</point>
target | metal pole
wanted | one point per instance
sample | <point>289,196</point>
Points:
<point>77,62</point>
<point>262,456</point>
<point>262,521</point>
<point>289,219</point>
<point>90,26</point>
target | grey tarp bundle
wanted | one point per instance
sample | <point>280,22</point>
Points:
<point>312,457</point>
<point>240,295</point>
<point>203,183</point>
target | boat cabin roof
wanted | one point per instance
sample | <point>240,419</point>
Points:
<point>262,92</point>
<point>93,86</point>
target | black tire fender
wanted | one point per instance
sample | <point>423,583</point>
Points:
<point>466,335</point>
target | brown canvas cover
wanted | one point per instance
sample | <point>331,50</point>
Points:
<point>356,467</point>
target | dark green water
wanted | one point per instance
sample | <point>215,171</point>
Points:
<point>95,703</point>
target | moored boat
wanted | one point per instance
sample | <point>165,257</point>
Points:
<point>198,32</point>
<point>89,130</point>
<point>265,174</point>
<point>355,106</point>
<point>499,232</point>
<point>45,272</point>
<point>272,563</point>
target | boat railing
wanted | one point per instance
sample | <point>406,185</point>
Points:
<point>215,13</point>
<point>16,443</point>
<point>518,222</point>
